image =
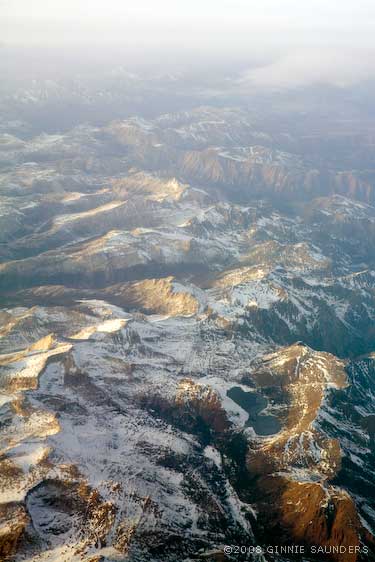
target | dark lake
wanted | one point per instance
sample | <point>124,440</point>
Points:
<point>253,403</point>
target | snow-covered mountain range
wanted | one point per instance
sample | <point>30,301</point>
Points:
<point>187,343</point>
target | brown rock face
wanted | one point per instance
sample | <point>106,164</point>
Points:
<point>267,172</point>
<point>204,403</point>
<point>13,519</point>
<point>154,295</point>
<point>301,377</point>
<point>310,514</point>
<point>195,407</point>
<point>292,470</point>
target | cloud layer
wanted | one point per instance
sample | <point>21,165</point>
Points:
<point>301,42</point>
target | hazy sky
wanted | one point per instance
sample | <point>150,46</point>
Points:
<point>301,40</point>
<point>55,20</point>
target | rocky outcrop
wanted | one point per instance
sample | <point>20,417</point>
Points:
<point>195,407</point>
<point>322,518</point>
<point>14,520</point>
